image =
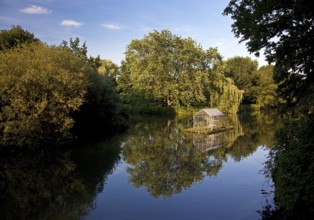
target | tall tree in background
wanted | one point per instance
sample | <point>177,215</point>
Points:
<point>167,68</point>
<point>257,84</point>
<point>172,71</point>
<point>107,67</point>
<point>241,70</point>
<point>264,87</point>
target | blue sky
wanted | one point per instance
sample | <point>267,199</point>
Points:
<point>108,26</point>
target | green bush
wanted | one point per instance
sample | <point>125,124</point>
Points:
<point>39,87</point>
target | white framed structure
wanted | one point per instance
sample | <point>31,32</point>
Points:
<point>210,118</point>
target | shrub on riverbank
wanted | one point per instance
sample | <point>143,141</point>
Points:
<point>46,90</point>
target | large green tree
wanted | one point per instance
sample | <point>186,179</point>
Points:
<point>49,92</point>
<point>39,87</point>
<point>168,69</point>
<point>225,95</point>
<point>257,83</point>
<point>241,70</point>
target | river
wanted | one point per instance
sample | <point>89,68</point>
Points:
<point>155,170</point>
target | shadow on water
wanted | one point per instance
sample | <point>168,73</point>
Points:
<point>54,183</point>
<point>165,159</point>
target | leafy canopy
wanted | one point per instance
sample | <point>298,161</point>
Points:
<point>39,87</point>
<point>169,70</point>
<point>241,70</point>
<point>46,90</point>
<point>258,84</point>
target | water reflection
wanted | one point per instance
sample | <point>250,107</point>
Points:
<point>206,142</point>
<point>165,160</point>
<point>37,181</point>
<point>53,184</point>
<point>161,157</point>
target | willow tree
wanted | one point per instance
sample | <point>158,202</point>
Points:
<point>225,95</point>
<point>167,68</point>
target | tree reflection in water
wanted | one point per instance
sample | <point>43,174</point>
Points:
<point>52,183</point>
<point>206,142</point>
<point>162,156</point>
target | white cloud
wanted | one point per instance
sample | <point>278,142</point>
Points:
<point>34,9</point>
<point>111,26</point>
<point>70,23</point>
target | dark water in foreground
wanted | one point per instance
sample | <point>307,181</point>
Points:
<point>153,171</point>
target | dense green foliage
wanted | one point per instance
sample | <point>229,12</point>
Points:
<point>257,83</point>
<point>241,70</point>
<point>225,95</point>
<point>264,87</point>
<point>167,68</point>
<point>40,87</point>
<point>46,90</point>
<point>107,67</point>
<point>14,37</point>
<point>285,30</point>
<point>102,110</point>
<point>171,71</point>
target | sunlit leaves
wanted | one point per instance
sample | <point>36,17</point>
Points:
<point>168,69</point>
<point>40,87</point>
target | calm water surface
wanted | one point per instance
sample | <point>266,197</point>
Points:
<point>153,171</point>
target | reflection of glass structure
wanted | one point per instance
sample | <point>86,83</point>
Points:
<point>208,118</point>
<point>205,142</point>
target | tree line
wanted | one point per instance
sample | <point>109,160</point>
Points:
<point>48,92</point>
<point>164,69</point>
